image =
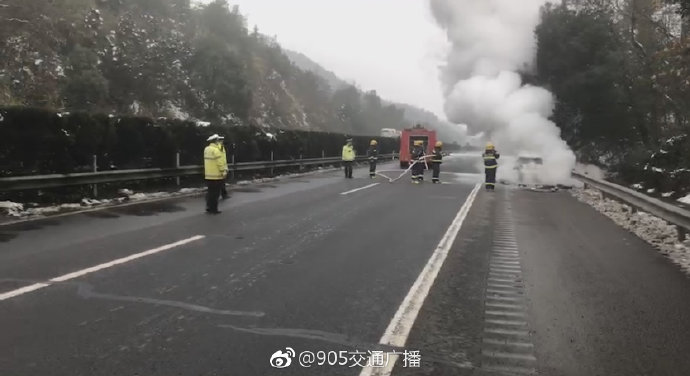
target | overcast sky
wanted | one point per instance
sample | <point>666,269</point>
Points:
<point>391,46</point>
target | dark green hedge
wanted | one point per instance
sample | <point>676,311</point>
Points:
<point>37,141</point>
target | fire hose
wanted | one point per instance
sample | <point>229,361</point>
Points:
<point>420,159</point>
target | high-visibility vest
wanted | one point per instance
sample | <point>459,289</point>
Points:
<point>348,153</point>
<point>213,163</point>
<point>224,154</point>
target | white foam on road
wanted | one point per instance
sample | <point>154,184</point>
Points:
<point>399,328</point>
<point>359,189</point>
<point>80,273</point>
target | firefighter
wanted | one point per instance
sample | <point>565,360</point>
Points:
<point>373,154</point>
<point>490,166</point>
<point>418,167</point>
<point>215,172</point>
<point>436,158</point>
<point>348,158</point>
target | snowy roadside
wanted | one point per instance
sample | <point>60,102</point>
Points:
<point>11,212</point>
<point>654,230</point>
<point>597,173</point>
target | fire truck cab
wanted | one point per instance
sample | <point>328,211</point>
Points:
<point>407,139</point>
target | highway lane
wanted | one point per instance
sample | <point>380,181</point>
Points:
<point>535,283</point>
<point>297,264</point>
<point>604,301</point>
<point>539,283</point>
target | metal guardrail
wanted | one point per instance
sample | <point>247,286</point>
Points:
<point>17,183</point>
<point>670,213</point>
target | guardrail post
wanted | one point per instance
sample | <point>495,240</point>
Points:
<point>272,161</point>
<point>95,169</point>
<point>177,165</point>
<point>301,166</point>
<point>323,156</point>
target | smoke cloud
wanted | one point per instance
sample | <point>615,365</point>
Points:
<point>491,41</point>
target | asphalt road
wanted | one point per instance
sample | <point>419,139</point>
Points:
<point>534,282</point>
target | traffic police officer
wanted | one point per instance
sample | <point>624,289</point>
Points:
<point>348,158</point>
<point>215,171</point>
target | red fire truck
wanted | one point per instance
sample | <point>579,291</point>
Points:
<point>407,139</point>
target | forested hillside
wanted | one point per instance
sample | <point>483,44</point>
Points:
<point>448,132</point>
<point>621,73</point>
<point>169,58</point>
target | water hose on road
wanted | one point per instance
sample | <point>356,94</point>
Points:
<point>422,158</point>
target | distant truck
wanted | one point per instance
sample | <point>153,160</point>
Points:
<point>390,132</point>
<point>407,139</point>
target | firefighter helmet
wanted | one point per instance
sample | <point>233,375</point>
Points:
<point>439,144</point>
<point>373,142</point>
<point>419,142</point>
<point>489,146</point>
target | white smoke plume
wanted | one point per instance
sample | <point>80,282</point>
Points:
<point>491,41</point>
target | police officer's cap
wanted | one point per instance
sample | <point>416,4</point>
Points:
<point>215,137</point>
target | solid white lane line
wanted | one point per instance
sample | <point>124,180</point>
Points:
<point>401,324</point>
<point>359,189</point>
<point>22,291</point>
<point>79,273</point>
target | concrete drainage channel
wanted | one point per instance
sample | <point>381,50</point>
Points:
<point>507,348</point>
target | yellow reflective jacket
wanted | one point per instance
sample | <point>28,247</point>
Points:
<point>214,168</point>
<point>224,155</point>
<point>348,153</point>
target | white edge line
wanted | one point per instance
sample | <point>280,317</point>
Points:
<point>359,189</point>
<point>401,324</point>
<point>79,273</point>
<point>23,290</point>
